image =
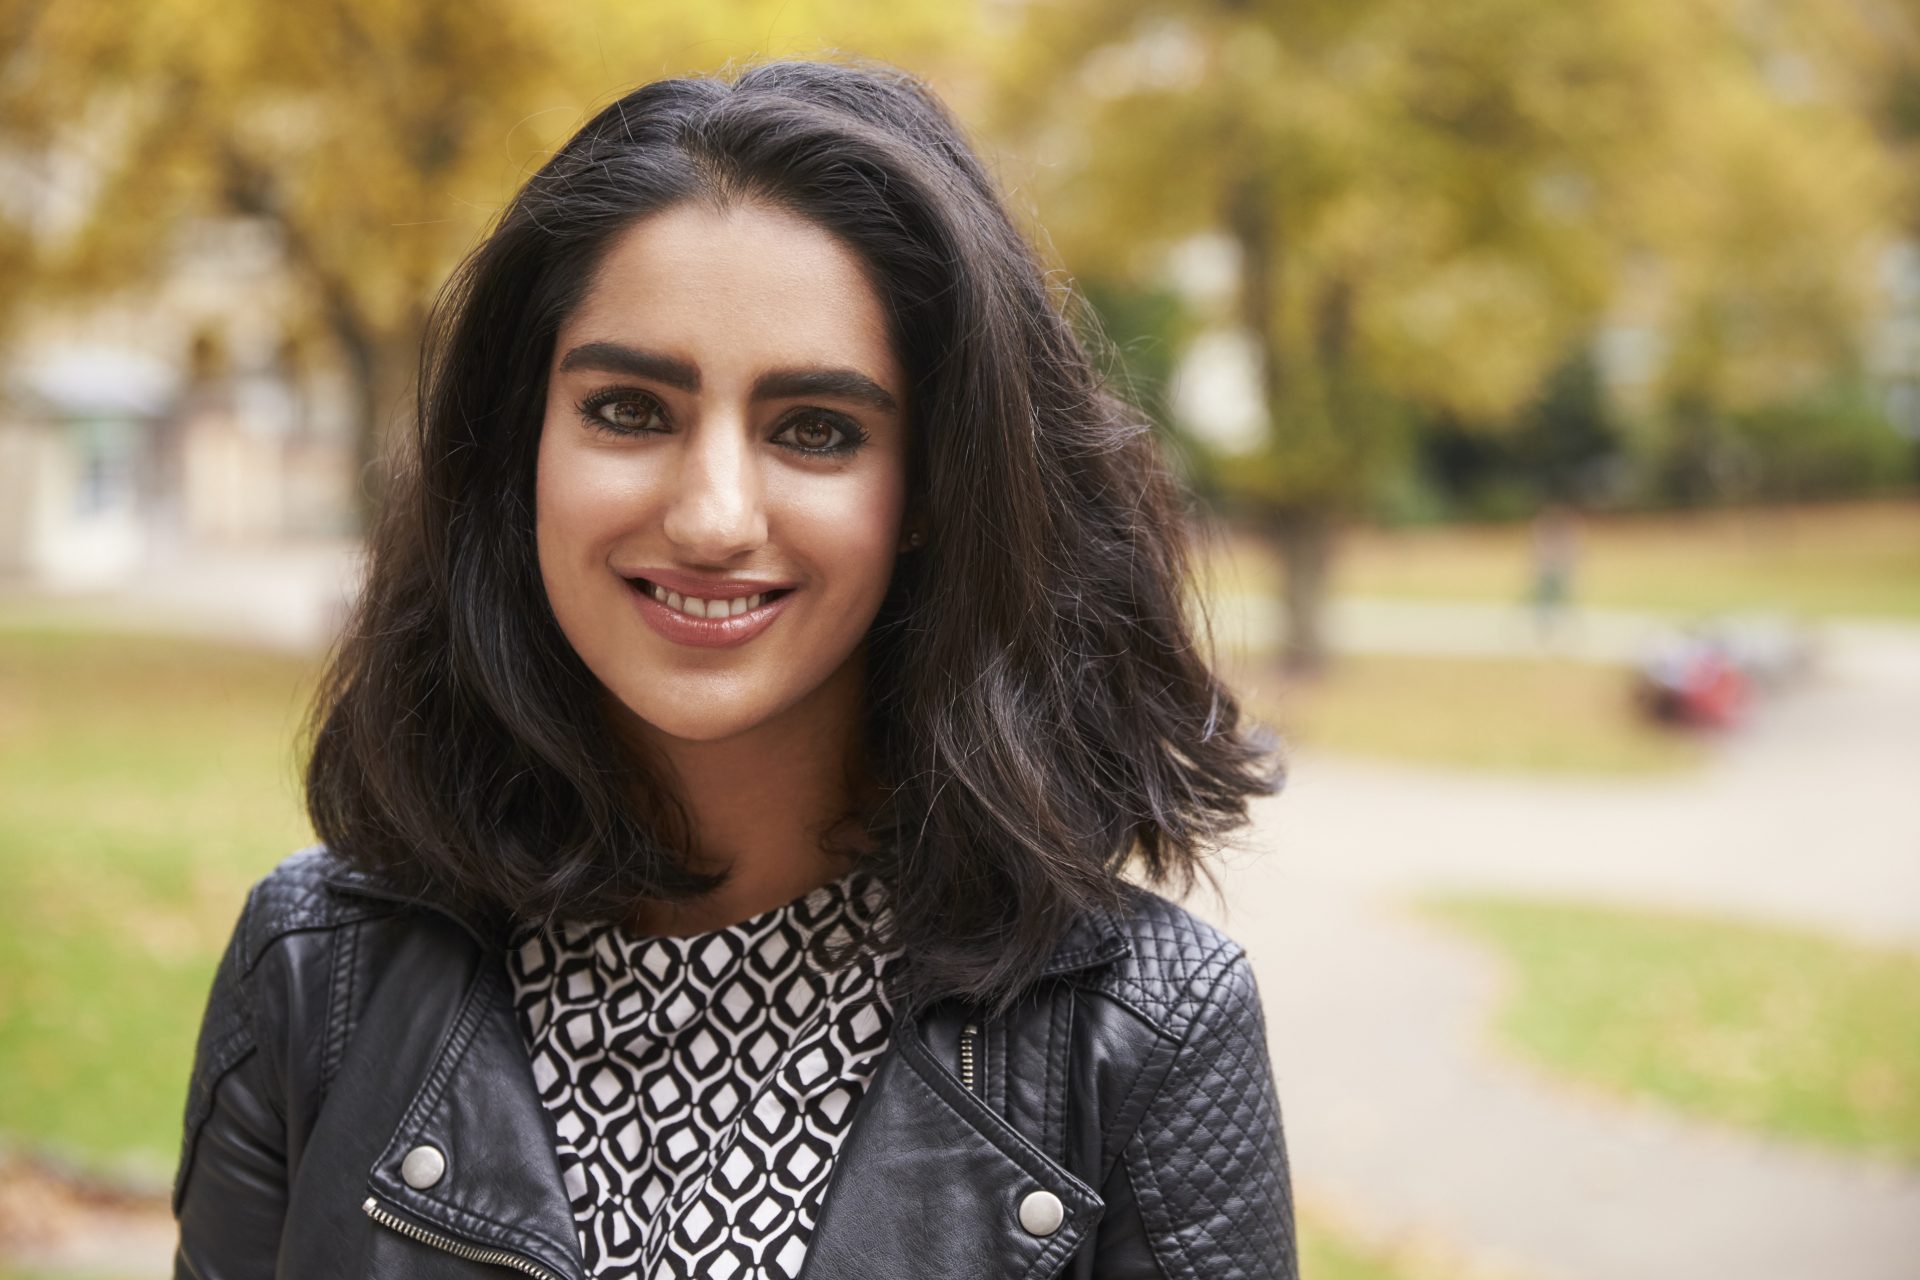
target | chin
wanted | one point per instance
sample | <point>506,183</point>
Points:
<point>692,724</point>
<point>699,728</point>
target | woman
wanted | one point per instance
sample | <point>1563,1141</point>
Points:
<point>768,662</point>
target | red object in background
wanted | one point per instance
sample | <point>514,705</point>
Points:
<point>1693,680</point>
<point>1715,692</point>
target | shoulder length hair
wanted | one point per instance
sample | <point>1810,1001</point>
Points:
<point>1039,714</point>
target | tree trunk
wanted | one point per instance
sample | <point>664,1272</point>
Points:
<point>1302,530</point>
<point>378,365</point>
<point>1304,535</point>
<point>379,373</point>
<point>1250,219</point>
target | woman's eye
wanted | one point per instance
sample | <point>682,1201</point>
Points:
<point>816,433</point>
<point>629,414</point>
<point>620,412</point>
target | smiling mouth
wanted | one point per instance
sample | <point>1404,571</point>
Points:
<point>707,610</point>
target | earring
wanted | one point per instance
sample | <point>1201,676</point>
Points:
<point>914,540</point>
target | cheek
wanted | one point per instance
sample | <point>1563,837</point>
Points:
<point>580,509</point>
<point>850,530</point>
<point>581,501</point>
<point>555,512</point>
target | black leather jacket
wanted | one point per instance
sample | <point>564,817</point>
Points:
<point>347,1029</point>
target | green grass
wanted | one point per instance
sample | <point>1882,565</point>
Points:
<point>1325,1255</point>
<point>1333,1247</point>
<point>1530,715</point>
<point>144,783</point>
<point>1859,559</point>
<point>1783,1032</point>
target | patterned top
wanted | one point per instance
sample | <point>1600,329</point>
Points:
<point>700,1086</point>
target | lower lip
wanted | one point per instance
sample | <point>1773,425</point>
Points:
<point>707,633</point>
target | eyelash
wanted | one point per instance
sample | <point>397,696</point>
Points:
<point>589,409</point>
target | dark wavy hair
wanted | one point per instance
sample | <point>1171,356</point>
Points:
<point>1038,713</point>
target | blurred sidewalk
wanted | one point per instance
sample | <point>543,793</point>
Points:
<point>1406,1124</point>
<point>1402,1117</point>
<point>1886,651</point>
<point>1804,815</point>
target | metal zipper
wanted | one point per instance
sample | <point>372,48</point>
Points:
<point>458,1248</point>
<point>966,1056</point>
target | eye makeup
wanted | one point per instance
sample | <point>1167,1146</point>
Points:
<point>850,435</point>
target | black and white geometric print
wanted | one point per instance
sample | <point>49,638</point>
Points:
<point>700,1086</point>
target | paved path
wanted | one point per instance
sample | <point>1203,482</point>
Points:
<point>1810,818</point>
<point>1402,1113</point>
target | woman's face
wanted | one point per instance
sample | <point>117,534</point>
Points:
<point>725,428</point>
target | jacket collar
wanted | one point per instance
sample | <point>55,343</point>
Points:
<point>914,1129</point>
<point>1092,938</point>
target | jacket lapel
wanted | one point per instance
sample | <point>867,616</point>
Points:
<point>479,1109</point>
<point>500,1190</point>
<point>929,1180</point>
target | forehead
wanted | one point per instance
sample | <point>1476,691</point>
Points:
<point>748,286</point>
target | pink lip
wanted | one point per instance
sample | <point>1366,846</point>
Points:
<point>706,633</point>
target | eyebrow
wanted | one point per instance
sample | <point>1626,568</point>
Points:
<point>776,384</point>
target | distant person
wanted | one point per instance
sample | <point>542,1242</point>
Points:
<point>771,656</point>
<point>1554,559</point>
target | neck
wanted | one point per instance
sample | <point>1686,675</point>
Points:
<point>760,802</point>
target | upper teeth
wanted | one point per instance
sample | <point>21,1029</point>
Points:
<point>694,607</point>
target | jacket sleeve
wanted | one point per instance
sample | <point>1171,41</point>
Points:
<point>230,1192</point>
<point>1207,1167</point>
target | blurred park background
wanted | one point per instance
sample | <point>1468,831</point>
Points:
<point>1550,376</point>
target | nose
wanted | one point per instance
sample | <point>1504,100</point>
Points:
<point>717,510</point>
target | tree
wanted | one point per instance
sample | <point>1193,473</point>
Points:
<point>1431,203</point>
<point>377,138</point>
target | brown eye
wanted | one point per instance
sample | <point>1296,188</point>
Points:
<point>630,415</point>
<point>821,435</point>
<point>620,412</point>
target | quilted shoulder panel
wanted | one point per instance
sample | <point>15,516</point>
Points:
<point>1175,960</point>
<point>1209,1159</point>
<point>294,896</point>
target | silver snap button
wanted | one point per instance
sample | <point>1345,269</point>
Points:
<point>423,1167</point>
<point>1041,1213</point>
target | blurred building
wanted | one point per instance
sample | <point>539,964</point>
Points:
<point>187,416</point>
